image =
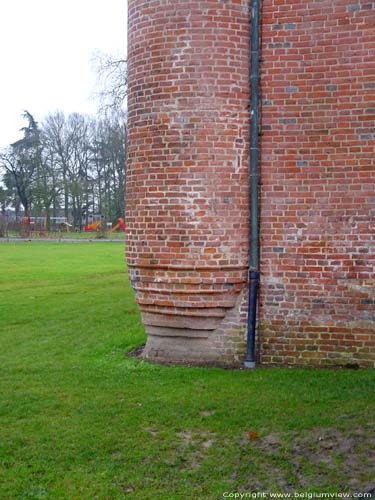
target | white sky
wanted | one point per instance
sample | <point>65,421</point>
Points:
<point>46,47</point>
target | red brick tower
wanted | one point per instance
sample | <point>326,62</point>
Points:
<point>187,174</point>
<point>187,179</point>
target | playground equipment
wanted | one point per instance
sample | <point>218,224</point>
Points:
<point>94,226</point>
<point>120,224</point>
<point>95,223</point>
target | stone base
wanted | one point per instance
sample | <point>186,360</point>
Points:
<point>223,346</point>
<point>185,351</point>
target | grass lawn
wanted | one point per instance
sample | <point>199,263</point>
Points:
<point>79,420</point>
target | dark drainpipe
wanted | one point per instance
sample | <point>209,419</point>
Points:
<point>254,186</point>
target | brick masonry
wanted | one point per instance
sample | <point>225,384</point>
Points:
<point>187,184</point>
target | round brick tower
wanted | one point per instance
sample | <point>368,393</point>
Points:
<point>187,176</point>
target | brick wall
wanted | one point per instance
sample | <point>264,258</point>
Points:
<point>187,189</point>
<point>318,182</point>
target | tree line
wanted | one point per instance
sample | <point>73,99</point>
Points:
<point>71,165</point>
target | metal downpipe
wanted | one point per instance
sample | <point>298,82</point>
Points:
<point>254,185</point>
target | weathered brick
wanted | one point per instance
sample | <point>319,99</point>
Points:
<point>188,117</point>
<point>187,179</point>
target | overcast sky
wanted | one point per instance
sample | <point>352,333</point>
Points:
<point>46,47</point>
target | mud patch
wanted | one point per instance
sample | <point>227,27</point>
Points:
<point>152,430</point>
<point>206,413</point>
<point>194,447</point>
<point>318,458</point>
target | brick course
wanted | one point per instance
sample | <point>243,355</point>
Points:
<point>187,179</point>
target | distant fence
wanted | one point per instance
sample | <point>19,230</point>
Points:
<point>17,230</point>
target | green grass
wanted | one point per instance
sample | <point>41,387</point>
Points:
<point>79,420</point>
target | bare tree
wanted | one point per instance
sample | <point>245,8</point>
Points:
<point>50,185</point>
<point>109,156</point>
<point>112,81</point>
<point>59,144</point>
